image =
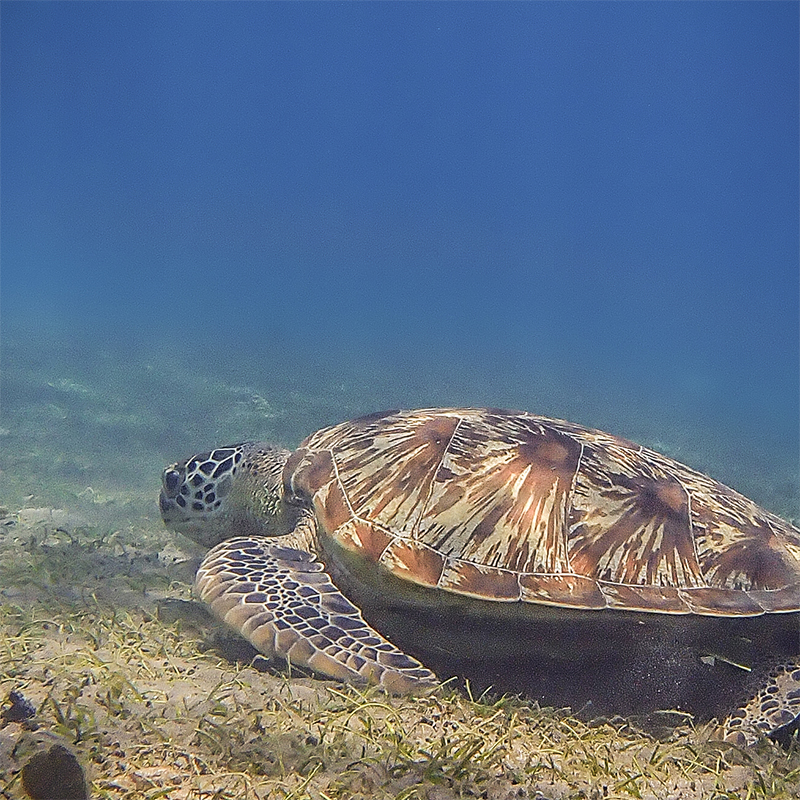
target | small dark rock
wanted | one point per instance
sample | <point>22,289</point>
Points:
<point>19,709</point>
<point>54,775</point>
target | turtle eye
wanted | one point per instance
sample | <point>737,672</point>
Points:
<point>172,481</point>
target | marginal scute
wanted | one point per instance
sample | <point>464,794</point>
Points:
<point>785,599</point>
<point>568,591</point>
<point>720,602</point>
<point>663,599</point>
<point>414,561</point>
<point>330,503</point>
<point>363,538</point>
<point>304,472</point>
<point>478,580</point>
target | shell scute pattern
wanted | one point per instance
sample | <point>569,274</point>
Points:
<point>512,506</point>
<point>630,520</point>
<point>415,453</point>
<point>512,482</point>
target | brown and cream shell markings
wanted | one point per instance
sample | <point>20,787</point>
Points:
<point>521,552</point>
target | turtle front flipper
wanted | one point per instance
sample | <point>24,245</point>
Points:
<point>282,600</point>
<point>776,706</point>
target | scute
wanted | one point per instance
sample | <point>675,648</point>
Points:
<point>511,506</point>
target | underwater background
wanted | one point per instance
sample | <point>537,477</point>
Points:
<point>224,221</point>
<point>230,221</point>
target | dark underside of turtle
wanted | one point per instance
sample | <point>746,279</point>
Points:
<point>603,662</point>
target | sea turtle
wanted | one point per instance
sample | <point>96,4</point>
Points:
<point>528,553</point>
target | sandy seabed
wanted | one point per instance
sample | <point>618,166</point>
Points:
<point>99,633</point>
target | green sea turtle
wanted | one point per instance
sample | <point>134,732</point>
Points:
<point>527,553</point>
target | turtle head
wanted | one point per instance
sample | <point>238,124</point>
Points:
<point>231,491</point>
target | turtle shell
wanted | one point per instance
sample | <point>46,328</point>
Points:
<point>506,506</point>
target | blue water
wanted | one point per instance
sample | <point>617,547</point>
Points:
<point>585,210</point>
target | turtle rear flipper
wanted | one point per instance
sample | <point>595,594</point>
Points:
<point>776,707</point>
<point>282,600</point>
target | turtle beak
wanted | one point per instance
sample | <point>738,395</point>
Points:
<point>171,482</point>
